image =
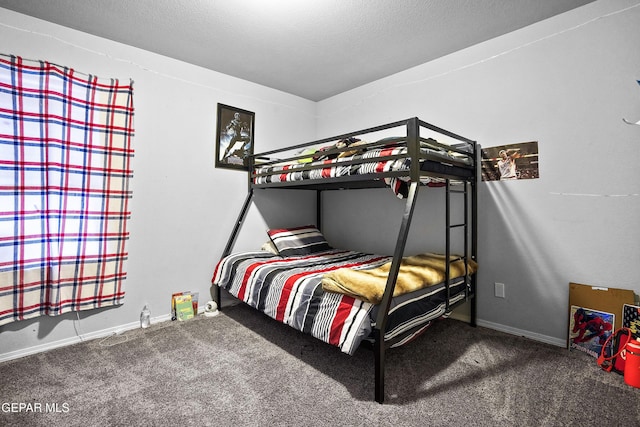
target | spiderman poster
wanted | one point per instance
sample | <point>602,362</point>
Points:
<point>589,329</point>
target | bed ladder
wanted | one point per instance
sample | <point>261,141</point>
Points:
<point>449,226</point>
<point>469,226</point>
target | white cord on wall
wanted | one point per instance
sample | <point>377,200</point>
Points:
<point>479,62</point>
<point>77,327</point>
<point>149,70</point>
<point>373,95</point>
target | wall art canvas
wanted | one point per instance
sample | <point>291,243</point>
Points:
<point>510,162</point>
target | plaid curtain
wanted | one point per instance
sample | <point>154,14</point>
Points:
<point>65,151</point>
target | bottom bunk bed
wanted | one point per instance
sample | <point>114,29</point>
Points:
<point>334,295</point>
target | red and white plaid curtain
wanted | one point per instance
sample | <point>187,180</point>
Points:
<point>65,151</point>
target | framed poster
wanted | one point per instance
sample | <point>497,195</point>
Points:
<point>589,329</point>
<point>234,137</point>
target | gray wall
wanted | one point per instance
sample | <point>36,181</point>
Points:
<point>183,208</point>
<point>565,82</point>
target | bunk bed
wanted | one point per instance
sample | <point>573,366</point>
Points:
<point>348,298</point>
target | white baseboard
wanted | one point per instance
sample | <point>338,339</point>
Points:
<point>520,332</point>
<point>79,338</point>
<point>512,331</point>
<point>133,325</point>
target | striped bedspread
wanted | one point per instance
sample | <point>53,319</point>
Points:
<point>290,291</point>
<point>368,162</point>
<point>332,168</point>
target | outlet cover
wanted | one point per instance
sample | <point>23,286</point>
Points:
<point>499,289</point>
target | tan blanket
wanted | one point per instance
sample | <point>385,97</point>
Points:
<point>416,272</point>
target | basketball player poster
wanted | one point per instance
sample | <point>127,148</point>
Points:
<point>510,162</point>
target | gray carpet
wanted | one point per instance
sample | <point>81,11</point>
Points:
<point>242,368</point>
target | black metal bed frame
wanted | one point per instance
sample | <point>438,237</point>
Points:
<point>421,165</point>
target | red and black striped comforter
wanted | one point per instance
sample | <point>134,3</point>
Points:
<point>290,291</point>
<point>372,161</point>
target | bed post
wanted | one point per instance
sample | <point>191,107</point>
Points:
<point>215,292</point>
<point>238,224</point>
<point>474,232</point>
<point>413,141</point>
<point>383,311</point>
<point>319,209</point>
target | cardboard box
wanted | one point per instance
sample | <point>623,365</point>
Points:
<point>609,300</point>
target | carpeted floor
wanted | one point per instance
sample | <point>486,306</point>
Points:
<point>241,368</point>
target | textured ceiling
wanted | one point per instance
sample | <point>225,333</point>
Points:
<point>310,48</point>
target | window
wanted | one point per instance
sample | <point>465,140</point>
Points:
<point>65,154</point>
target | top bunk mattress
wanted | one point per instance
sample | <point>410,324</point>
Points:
<point>368,155</point>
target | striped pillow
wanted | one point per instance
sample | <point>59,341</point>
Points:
<point>298,240</point>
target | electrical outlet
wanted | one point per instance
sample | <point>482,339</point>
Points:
<point>499,289</point>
